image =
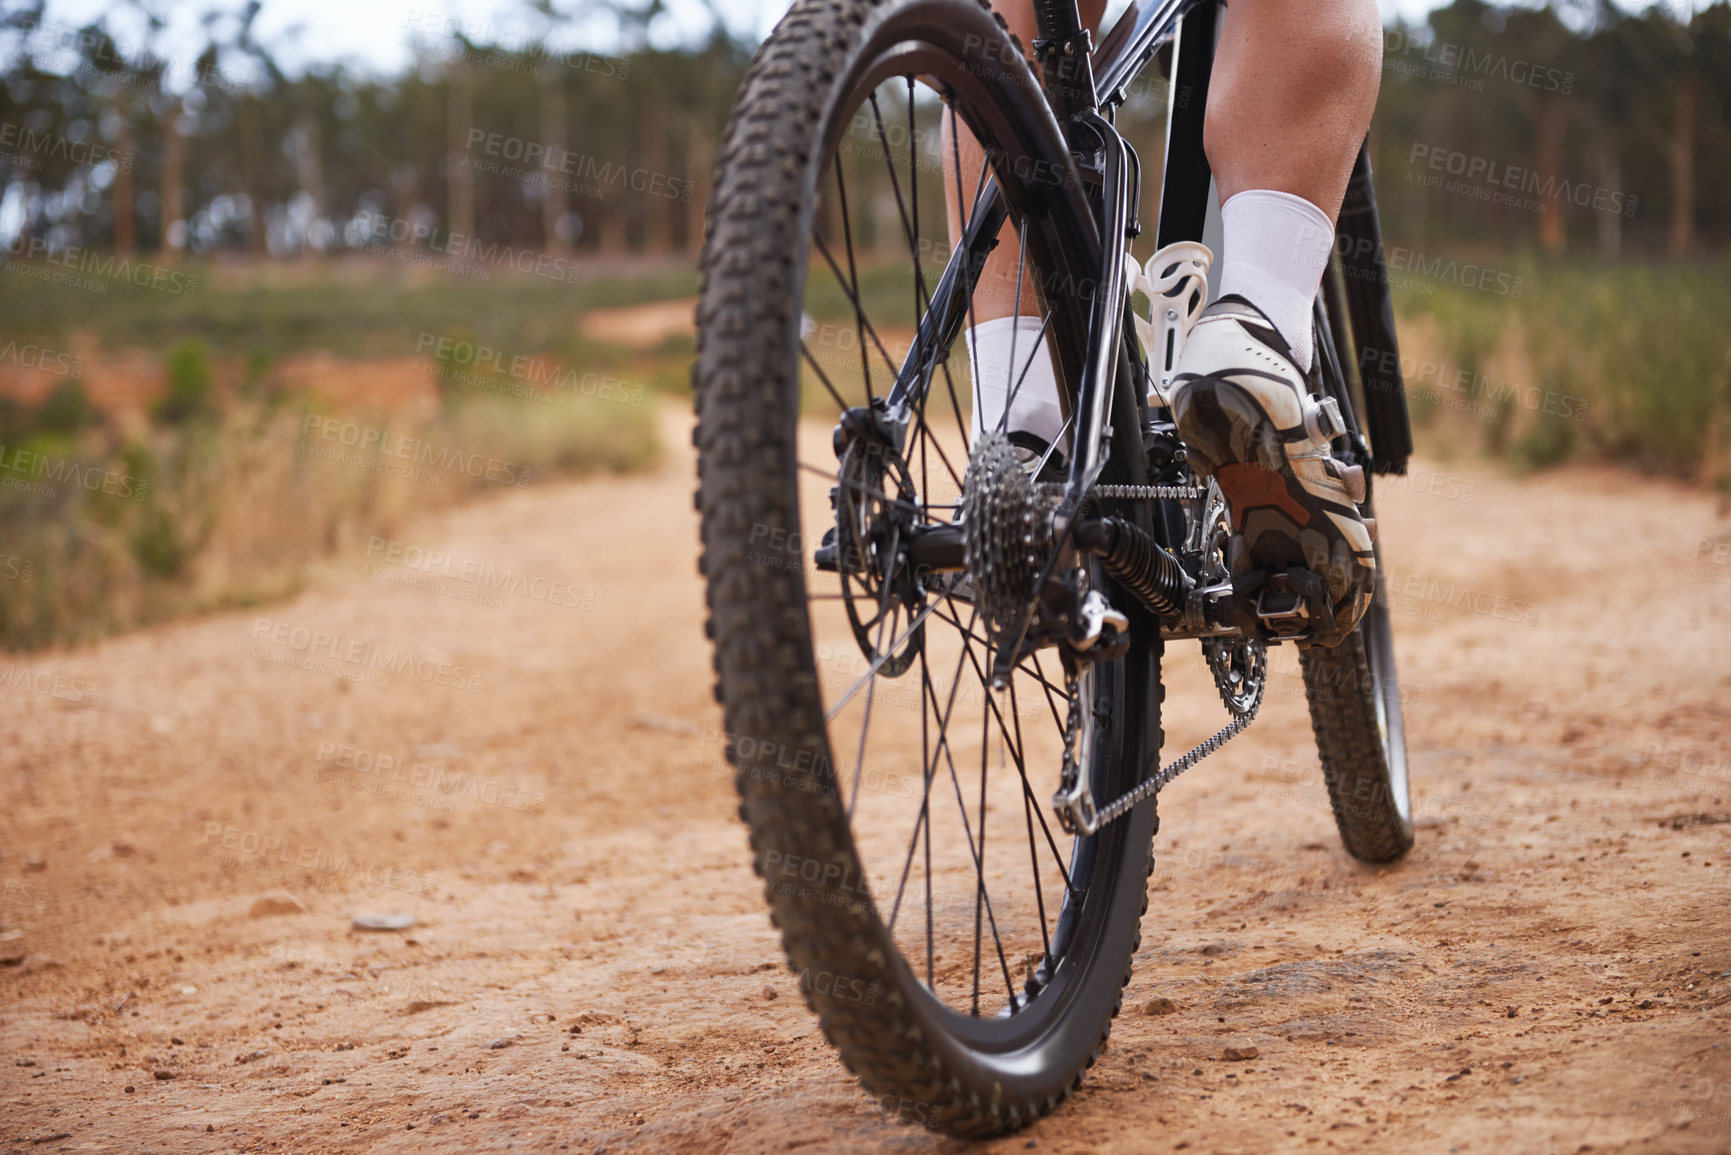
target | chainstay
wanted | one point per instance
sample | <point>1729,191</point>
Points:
<point>1127,802</point>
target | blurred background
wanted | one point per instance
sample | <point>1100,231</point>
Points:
<point>241,242</point>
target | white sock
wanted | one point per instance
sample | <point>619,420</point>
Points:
<point>1276,247</point>
<point>1036,408</point>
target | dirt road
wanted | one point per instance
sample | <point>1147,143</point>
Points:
<point>534,779</point>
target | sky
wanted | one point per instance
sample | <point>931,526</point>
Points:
<point>375,33</point>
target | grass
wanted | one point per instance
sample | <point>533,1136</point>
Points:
<point>1627,362</point>
<point>231,485</point>
<point>361,308</point>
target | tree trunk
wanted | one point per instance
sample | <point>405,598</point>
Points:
<point>247,115</point>
<point>555,202</point>
<point>309,171</point>
<point>699,166</point>
<point>125,232</point>
<point>173,185</point>
<point>1683,168</point>
<point>459,176</point>
<point>1610,224</point>
<point>1552,121</point>
<point>657,207</point>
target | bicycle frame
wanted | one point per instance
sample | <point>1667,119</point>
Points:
<point>1083,87</point>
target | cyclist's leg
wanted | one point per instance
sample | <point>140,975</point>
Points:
<point>1293,89</point>
<point>995,336</point>
<point>1290,101</point>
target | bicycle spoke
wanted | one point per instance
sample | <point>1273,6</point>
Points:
<point>811,359</point>
<point>883,656</point>
<point>883,619</point>
<point>1028,815</point>
<point>1021,768</point>
<point>853,274</point>
<point>869,491</point>
<point>1016,327</point>
<point>984,898</point>
<point>1045,324</point>
<point>908,229</point>
<point>929,769</point>
<point>853,297</point>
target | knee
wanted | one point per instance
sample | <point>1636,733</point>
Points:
<point>1329,47</point>
<point>1296,63</point>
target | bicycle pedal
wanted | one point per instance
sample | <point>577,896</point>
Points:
<point>1289,605</point>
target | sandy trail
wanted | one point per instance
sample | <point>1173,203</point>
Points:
<point>593,967</point>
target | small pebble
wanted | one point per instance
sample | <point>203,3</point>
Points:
<point>382,922</point>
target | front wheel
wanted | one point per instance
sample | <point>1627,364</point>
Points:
<point>964,955</point>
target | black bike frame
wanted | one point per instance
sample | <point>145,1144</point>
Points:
<point>1083,87</point>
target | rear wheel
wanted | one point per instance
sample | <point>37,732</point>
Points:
<point>964,954</point>
<point>1353,688</point>
<point>1355,710</point>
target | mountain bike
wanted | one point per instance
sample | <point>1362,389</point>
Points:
<point>940,667</point>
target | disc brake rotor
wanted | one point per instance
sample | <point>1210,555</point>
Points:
<point>872,513</point>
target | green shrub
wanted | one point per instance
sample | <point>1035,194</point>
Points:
<point>65,410</point>
<point>191,386</point>
<point>1639,350</point>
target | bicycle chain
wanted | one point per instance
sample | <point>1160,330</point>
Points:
<point>979,548</point>
<point>1122,805</point>
<point>1135,492</point>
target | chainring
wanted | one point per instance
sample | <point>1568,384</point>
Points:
<point>1240,669</point>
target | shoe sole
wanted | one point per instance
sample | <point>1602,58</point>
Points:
<point>1229,436</point>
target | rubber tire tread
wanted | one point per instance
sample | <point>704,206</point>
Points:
<point>1341,694</point>
<point>756,613</point>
